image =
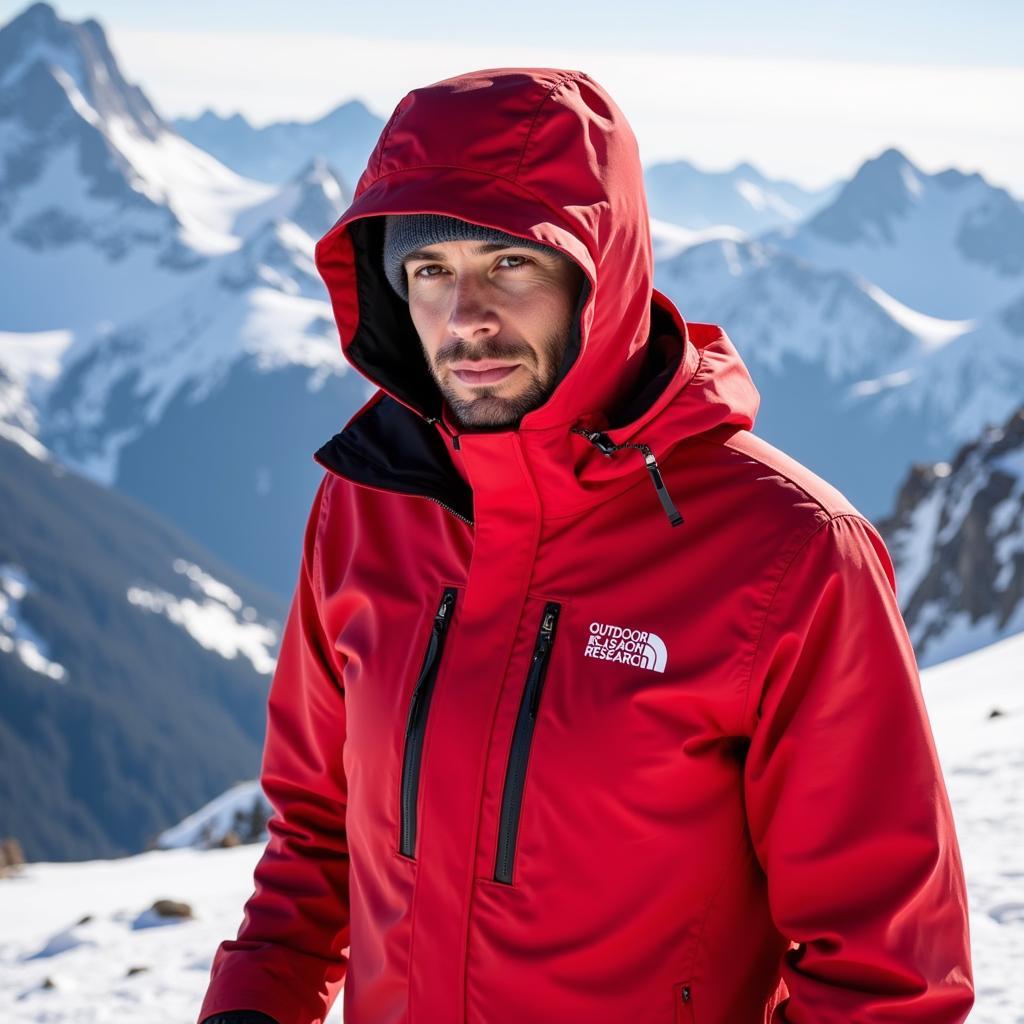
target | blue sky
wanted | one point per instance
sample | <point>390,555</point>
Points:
<point>802,90</point>
<point>986,32</point>
<point>983,32</point>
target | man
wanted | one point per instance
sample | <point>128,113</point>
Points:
<point>591,705</point>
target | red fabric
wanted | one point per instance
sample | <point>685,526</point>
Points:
<point>755,831</point>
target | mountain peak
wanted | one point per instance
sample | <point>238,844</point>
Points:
<point>745,167</point>
<point>321,196</point>
<point>882,191</point>
<point>890,170</point>
<point>80,51</point>
<point>36,24</point>
<point>890,156</point>
<point>35,17</point>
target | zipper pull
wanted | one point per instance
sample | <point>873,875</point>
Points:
<point>444,607</point>
<point>439,420</point>
<point>659,485</point>
<point>598,440</point>
<point>539,655</point>
<point>605,444</point>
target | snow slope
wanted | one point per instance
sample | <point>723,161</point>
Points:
<point>88,963</point>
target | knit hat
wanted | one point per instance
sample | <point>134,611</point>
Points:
<point>406,232</point>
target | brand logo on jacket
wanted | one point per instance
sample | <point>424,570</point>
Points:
<point>634,647</point>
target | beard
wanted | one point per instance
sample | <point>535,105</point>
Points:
<point>489,407</point>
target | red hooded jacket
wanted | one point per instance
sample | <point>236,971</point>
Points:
<point>609,718</point>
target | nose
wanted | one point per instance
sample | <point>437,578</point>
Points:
<point>472,311</point>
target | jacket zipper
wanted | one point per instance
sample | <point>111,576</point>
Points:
<point>455,442</point>
<point>416,723</point>
<point>450,509</point>
<point>519,753</point>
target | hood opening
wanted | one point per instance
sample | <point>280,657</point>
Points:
<point>386,346</point>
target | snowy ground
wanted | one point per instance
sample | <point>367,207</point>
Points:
<point>88,964</point>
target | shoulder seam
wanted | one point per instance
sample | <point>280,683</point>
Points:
<point>724,443</point>
<point>317,574</point>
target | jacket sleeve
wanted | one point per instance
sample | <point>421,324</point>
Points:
<point>286,960</point>
<point>846,804</point>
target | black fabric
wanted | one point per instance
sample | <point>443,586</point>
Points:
<point>572,346</point>
<point>662,362</point>
<point>386,344</point>
<point>392,447</point>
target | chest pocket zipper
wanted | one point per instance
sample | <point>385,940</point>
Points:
<point>519,752</point>
<point>416,723</point>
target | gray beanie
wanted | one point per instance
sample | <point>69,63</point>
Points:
<point>405,232</point>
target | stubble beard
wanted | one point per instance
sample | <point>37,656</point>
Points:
<point>490,408</point>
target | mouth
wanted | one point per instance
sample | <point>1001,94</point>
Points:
<point>491,375</point>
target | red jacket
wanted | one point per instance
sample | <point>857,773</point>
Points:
<point>611,718</point>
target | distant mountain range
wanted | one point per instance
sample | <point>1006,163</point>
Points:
<point>679,195</point>
<point>947,245</point>
<point>274,153</point>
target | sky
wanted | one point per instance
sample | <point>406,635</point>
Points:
<point>806,91</point>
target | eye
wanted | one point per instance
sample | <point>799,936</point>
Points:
<point>519,266</point>
<point>511,256</point>
<point>428,266</point>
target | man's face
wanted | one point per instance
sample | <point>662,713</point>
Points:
<point>493,321</point>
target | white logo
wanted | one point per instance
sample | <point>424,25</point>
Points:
<point>633,646</point>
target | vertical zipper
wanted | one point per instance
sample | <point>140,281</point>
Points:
<point>519,753</point>
<point>416,723</point>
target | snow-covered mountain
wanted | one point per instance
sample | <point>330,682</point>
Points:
<point>222,369</point>
<point>134,666</point>
<point>85,935</point>
<point>228,387</point>
<point>853,382</point>
<point>957,539</point>
<point>103,207</point>
<point>344,136</point>
<point>680,194</point>
<point>949,245</point>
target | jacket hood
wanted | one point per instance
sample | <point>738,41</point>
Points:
<point>545,154</point>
